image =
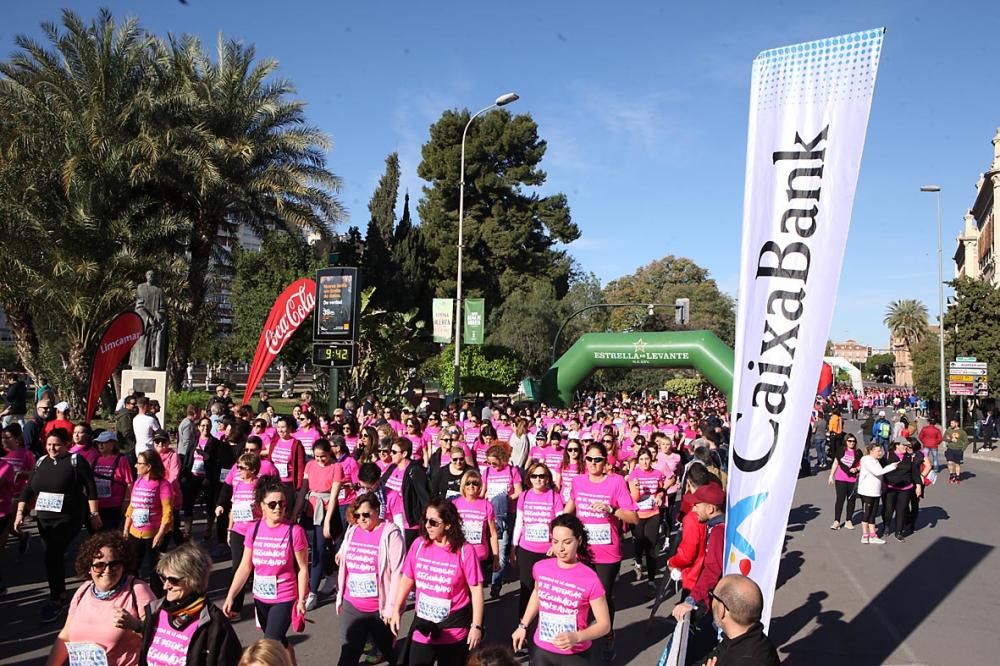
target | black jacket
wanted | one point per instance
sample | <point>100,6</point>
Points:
<point>906,472</point>
<point>753,648</point>
<point>214,642</point>
<point>211,445</point>
<point>414,491</point>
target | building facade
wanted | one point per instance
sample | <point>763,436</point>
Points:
<point>979,242</point>
<point>856,353</point>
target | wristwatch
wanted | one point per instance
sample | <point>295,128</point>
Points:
<point>476,626</point>
<point>522,625</point>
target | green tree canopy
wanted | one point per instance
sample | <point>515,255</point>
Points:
<point>510,230</point>
<point>971,325</point>
<point>906,320</point>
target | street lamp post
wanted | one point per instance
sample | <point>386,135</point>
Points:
<point>937,191</point>
<point>502,100</point>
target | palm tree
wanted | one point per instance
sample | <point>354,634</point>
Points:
<point>245,156</point>
<point>907,321</point>
<point>77,226</point>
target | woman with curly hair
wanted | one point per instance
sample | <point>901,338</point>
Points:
<point>566,591</point>
<point>449,598</point>
<point>106,613</point>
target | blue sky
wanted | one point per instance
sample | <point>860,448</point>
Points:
<point>644,106</point>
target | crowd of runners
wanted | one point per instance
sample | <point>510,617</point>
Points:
<point>380,510</point>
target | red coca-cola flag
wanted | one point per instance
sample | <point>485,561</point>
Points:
<point>294,304</point>
<point>122,333</point>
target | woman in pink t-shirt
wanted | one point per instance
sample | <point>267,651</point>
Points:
<point>114,477</point>
<point>370,560</point>
<point>106,612</point>
<point>444,570</point>
<point>277,554</point>
<point>567,592</point>
<point>602,502</point>
<point>83,443</point>
<point>149,516</point>
<point>238,498</point>
<point>20,458</point>
<point>479,523</point>
<point>536,507</point>
<point>287,455</point>
<point>646,485</point>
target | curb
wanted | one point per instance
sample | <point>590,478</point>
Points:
<point>992,459</point>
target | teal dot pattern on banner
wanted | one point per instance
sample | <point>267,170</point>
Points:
<point>836,68</point>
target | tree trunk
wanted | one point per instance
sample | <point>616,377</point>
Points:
<point>22,327</point>
<point>77,376</point>
<point>200,247</point>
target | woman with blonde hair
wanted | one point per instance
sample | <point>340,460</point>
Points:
<point>478,522</point>
<point>265,652</point>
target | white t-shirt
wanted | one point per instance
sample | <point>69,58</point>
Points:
<point>144,426</point>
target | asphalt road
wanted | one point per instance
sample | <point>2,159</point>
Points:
<point>931,600</point>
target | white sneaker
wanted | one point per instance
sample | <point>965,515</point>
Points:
<point>849,525</point>
<point>310,601</point>
<point>835,526</point>
<point>876,539</point>
<point>329,585</point>
<point>864,538</point>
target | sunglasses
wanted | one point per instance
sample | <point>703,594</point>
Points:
<point>477,484</point>
<point>364,514</point>
<point>572,450</point>
<point>597,460</point>
<point>100,567</point>
<point>539,476</point>
<point>432,522</point>
<point>458,460</point>
<point>274,505</point>
<point>395,452</point>
<point>384,451</point>
<point>446,439</point>
<point>173,580</point>
<point>608,441</point>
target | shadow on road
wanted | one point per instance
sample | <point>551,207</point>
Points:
<point>885,623</point>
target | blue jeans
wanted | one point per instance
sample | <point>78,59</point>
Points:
<point>500,504</point>
<point>819,444</point>
<point>933,453</point>
<point>317,555</point>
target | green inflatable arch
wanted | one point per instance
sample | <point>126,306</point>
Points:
<point>700,350</point>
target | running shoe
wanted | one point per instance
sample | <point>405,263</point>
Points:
<point>311,601</point>
<point>864,538</point>
<point>638,569</point>
<point>874,538</point>
<point>900,538</point>
<point>849,525</point>
<point>835,526</point>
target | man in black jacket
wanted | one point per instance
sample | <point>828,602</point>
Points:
<point>900,484</point>
<point>737,605</point>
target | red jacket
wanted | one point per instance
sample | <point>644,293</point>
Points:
<point>930,436</point>
<point>690,554</point>
<point>711,571</point>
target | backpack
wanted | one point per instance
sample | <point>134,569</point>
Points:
<point>884,429</point>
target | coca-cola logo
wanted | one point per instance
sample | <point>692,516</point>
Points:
<point>298,306</point>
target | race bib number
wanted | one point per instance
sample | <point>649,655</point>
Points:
<point>140,517</point>
<point>265,587</point>
<point>103,488</point>
<point>198,468</point>
<point>646,504</point>
<point>342,494</point>
<point>598,534</point>
<point>497,487</point>
<point>242,512</point>
<point>551,625</point>
<point>450,494</point>
<point>362,586</point>
<point>224,473</point>
<point>473,533</point>
<point>282,469</point>
<point>49,502</point>
<point>433,609</point>
<point>86,654</point>
<point>537,533</point>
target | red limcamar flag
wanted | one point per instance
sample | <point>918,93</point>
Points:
<point>121,335</point>
<point>291,308</point>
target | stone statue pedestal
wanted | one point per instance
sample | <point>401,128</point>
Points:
<point>151,382</point>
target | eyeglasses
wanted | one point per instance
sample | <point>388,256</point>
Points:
<point>478,484</point>
<point>431,522</point>
<point>539,476</point>
<point>274,505</point>
<point>364,514</point>
<point>100,567</point>
<point>595,459</point>
<point>572,450</point>
<point>712,595</point>
<point>175,581</point>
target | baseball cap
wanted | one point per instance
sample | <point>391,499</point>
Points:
<point>107,436</point>
<point>881,412</point>
<point>710,493</point>
<point>161,434</point>
<point>62,406</point>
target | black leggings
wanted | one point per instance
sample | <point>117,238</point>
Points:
<point>896,501</point>
<point>274,619</point>
<point>448,654</point>
<point>57,537</point>
<point>190,489</point>
<point>525,563</point>
<point>540,657</point>
<point>869,507</point>
<point>644,535</point>
<point>608,573</point>
<point>355,627</point>
<point>911,519</point>
<point>140,549</point>
<point>845,490</point>
<point>236,547</point>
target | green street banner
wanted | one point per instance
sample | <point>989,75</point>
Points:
<point>475,319</point>
<point>442,312</point>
